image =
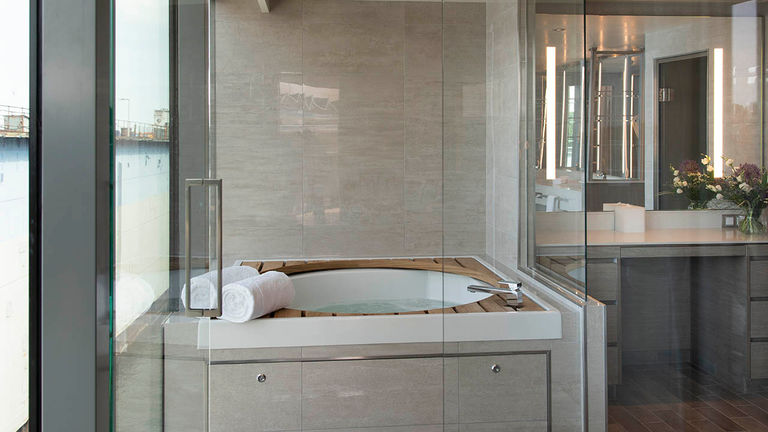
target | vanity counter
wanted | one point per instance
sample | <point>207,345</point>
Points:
<point>686,236</point>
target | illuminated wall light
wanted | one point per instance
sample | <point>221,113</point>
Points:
<point>717,131</point>
<point>599,112</point>
<point>563,123</point>
<point>624,119</point>
<point>551,115</point>
<point>631,127</point>
<point>581,117</point>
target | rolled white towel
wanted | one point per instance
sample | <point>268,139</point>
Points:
<point>256,296</point>
<point>204,286</point>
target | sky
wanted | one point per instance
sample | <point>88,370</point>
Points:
<point>14,44</point>
<point>141,57</point>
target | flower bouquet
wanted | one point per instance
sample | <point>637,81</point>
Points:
<point>693,179</point>
<point>746,186</point>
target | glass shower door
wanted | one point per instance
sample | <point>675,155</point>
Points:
<point>164,228</point>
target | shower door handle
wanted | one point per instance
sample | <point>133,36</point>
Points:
<point>202,312</point>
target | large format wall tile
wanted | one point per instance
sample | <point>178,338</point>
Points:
<point>330,124</point>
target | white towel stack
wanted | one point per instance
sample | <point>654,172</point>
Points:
<point>204,286</point>
<point>256,296</point>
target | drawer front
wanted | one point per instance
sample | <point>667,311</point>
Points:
<point>603,280</point>
<point>239,402</point>
<point>612,323</point>
<point>759,366</point>
<point>614,365</point>
<point>759,319</point>
<point>758,279</point>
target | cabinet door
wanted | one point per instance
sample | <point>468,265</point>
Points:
<point>239,401</point>
<point>514,395</point>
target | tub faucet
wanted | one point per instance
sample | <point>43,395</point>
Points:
<point>512,294</point>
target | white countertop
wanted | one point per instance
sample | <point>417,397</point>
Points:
<point>687,236</point>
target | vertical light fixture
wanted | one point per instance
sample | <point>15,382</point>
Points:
<point>563,121</point>
<point>624,119</point>
<point>631,126</point>
<point>581,117</point>
<point>551,140</point>
<point>717,132</point>
<point>599,94</point>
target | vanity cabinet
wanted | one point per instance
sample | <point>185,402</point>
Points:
<point>709,303</point>
<point>484,392</point>
<point>604,285</point>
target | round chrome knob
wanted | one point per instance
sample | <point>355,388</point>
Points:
<point>496,368</point>
<point>261,377</point>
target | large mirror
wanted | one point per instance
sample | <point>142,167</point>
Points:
<point>627,100</point>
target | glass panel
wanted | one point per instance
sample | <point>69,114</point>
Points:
<point>555,127</point>
<point>681,278</point>
<point>14,216</point>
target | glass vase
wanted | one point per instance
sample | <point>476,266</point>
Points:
<point>751,223</point>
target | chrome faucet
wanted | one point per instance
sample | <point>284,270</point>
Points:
<point>513,294</point>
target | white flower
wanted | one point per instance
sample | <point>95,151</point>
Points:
<point>676,173</point>
<point>719,188</point>
<point>679,191</point>
<point>729,162</point>
<point>710,168</point>
<point>719,196</point>
<point>676,179</point>
<point>712,188</point>
<point>705,160</point>
<point>740,178</point>
<point>745,187</point>
<point>685,183</point>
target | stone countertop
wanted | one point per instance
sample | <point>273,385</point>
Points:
<point>696,236</point>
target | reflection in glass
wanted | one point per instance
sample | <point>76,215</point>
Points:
<point>14,215</point>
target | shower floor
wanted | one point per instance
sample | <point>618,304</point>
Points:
<point>680,397</point>
<point>462,266</point>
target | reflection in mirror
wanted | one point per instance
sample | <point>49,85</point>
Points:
<point>616,100</point>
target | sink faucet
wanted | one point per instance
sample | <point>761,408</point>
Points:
<point>512,294</point>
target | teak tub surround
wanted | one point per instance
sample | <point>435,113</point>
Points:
<point>462,266</point>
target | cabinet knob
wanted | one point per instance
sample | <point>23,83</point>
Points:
<point>496,368</point>
<point>261,377</point>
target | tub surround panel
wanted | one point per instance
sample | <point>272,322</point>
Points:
<point>329,130</point>
<point>240,403</point>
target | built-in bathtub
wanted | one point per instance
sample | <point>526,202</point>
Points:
<point>385,306</point>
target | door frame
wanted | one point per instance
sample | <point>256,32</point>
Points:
<point>655,187</point>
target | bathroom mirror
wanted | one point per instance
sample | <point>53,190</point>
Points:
<point>619,99</point>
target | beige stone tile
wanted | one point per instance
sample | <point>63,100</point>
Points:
<point>372,393</point>
<point>239,402</point>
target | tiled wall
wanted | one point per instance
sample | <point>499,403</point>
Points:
<point>502,131</point>
<point>330,133</point>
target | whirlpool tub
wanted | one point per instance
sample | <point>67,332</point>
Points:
<point>387,301</point>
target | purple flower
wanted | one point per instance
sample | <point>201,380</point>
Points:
<point>750,173</point>
<point>689,166</point>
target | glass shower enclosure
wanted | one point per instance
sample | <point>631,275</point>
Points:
<point>370,151</point>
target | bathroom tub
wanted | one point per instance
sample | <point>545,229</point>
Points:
<point>399,299</point>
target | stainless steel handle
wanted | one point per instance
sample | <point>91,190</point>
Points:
<point>189,183</point>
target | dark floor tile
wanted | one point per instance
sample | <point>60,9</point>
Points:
<point>719,419</point>
<point>659,427</point>
<point>625,419</point>
<point>726,408</point>
<point>756,413</point>
<point>751,425</point>
<point>706,426</point>
<point>674,420</point>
